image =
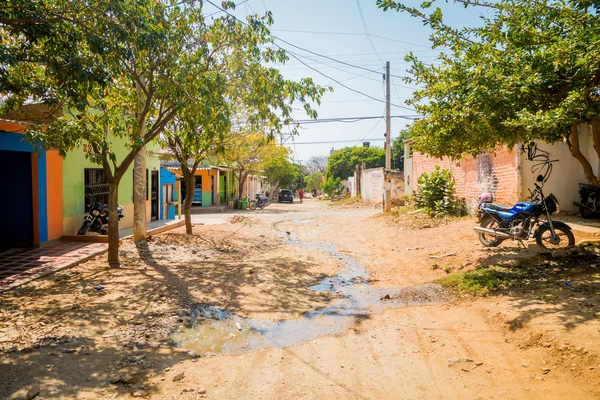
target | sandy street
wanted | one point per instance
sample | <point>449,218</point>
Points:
<point>305,301</point>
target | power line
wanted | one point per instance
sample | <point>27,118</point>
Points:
<point>365,27</point>
<point>221,10</point>
<point>351,34</point>
<point>358,141</point>
<point>297,57</point>
<point>351,120</point>
<point>347,87</point>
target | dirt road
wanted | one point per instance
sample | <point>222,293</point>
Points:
<point>299,301</point>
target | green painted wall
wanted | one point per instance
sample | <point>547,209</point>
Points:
<point>73,177</point>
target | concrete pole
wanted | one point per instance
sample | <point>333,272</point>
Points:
<point>387,190</point>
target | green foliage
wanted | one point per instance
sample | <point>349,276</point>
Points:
<point>314,181</point>
<point>342,163</point>
<point>301,173</point>
<point>398,150</point>
<point>281,172</point>
<point>484,280</point>
<point>528,71</point>
<point>333,186</point>
<point>436,194</point>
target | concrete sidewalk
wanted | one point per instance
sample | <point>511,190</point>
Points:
<point>21,266</point>
<point>582,228</point>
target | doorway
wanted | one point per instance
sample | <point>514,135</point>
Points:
<point>16,200</point>
<point>154,196</point>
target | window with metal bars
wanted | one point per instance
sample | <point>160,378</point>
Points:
<point>95,183</point>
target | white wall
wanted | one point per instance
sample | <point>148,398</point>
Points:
<point>566,174</point>
<point>371,184</point>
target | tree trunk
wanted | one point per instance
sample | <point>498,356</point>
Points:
<point>573,144</point>
<point>139,196</point>
<point>190,183</point>
<point>241,181</point>
<point>139,174</point>
<point>113,222</point>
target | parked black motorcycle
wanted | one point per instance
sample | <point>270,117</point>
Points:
<point>96,219</point>
<point>589,207</point>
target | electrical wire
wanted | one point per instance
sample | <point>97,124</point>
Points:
<point>297,57</point>
<point>352,34</point>
<point>351,120</point>
<point>365,27</point>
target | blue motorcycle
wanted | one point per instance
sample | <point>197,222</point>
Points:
<point>259,201</point>
<point>523,221</point>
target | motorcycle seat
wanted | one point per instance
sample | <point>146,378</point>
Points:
<point>497,207</point>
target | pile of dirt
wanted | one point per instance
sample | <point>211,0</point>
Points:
<point>417,219</point>
<point>241,219</point>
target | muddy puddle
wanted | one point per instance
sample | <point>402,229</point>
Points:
<point>216,331</point>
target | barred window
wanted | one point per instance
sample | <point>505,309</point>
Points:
<point>95,183</point>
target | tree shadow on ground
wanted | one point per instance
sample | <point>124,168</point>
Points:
<point>73,330</point>
<point>566,289</point>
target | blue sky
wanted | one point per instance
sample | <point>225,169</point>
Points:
<point>335,28</point>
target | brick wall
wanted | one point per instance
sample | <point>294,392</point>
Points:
<point>487,173</point>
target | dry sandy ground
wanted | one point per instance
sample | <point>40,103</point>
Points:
<point>71,340</point>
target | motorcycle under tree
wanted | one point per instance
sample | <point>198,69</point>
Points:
<point>522,221</point>
<point>259,201</point>
<point>589,206</point>
<point>96,219</point>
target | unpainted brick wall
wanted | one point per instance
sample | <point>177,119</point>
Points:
<point>494,173</point>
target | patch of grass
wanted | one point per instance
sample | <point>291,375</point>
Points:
<point>345,201</point>
<point>434,266</point>
<point>483,281</point>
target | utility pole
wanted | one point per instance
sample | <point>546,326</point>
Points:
<point>387,183</point>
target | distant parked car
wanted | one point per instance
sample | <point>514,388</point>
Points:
<point>285,195</point>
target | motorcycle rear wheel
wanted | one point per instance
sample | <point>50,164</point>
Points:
<point>586,212</point>
<point>488,240</point>
<point>545,235</point>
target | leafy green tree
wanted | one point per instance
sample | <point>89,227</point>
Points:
<point>529,71</point>
<point>333,186</point>
<point>154,60</point>
<point>314,181</point>
<point>398,150</point>
<point>243,83</point>
<point>301,172</point>
<point>342,163</point>
<point>280,171</point>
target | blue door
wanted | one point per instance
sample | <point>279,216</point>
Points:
<point>16,202</point>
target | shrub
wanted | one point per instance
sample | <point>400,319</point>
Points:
<point>332,187</point>
<point>437,194</point>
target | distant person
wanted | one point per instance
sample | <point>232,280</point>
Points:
<point>301,195</point>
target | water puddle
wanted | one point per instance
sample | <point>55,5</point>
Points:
<point>216,331</point>
<point>303,221</point>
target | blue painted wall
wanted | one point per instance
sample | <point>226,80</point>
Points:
<point>167,177</point>
<point>16,142</point>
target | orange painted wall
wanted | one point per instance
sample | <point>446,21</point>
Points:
<point>54,176</point>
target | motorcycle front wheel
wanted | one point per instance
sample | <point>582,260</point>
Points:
<point>564,237</point>
<point>252,205</point>
<point>489,240</point>
<point>84,228</point>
